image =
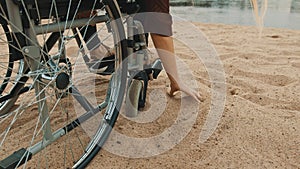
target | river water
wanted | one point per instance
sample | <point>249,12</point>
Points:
<point>280,13</point>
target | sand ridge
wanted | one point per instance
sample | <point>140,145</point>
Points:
<point>261,121</point>
<point>259,127</point>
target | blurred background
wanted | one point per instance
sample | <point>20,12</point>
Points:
<point>280,13</point>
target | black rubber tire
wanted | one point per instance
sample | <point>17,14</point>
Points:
<point>112,6</point>
<point>98,140</point>
<point>16,83</point>
<point>132,98</point>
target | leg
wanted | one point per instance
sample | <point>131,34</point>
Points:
<point>89,34</point>
<point>93,43</point>
<point>97,55</point>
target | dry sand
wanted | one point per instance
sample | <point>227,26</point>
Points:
<point>260,126</point>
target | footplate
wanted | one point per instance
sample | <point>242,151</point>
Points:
<point>146,75</point>
<point>16,159</point>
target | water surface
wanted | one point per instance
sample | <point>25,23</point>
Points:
<point>280,13</point>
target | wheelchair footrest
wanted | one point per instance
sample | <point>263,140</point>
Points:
<point>16,159</point>
<point>156,68</point>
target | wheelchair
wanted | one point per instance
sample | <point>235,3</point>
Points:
<point>53,107</point>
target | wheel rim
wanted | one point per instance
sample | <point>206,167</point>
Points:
<point>64,107</point>
<point>10,70</point>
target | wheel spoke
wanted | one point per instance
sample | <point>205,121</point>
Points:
<point>72,108</point>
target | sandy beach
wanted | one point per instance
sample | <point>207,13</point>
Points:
<point>260,125</point>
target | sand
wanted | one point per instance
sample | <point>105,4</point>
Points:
<point>260,125</point>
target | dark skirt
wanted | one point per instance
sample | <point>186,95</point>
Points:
<point>155,16</point>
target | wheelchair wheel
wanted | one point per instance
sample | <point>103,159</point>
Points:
<point>11,70</point>
<point>132,98</point>
<point>65,111</point>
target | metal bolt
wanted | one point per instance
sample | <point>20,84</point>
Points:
<point>26,50</point>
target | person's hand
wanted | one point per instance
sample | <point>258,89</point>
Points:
<point>180,87</point>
